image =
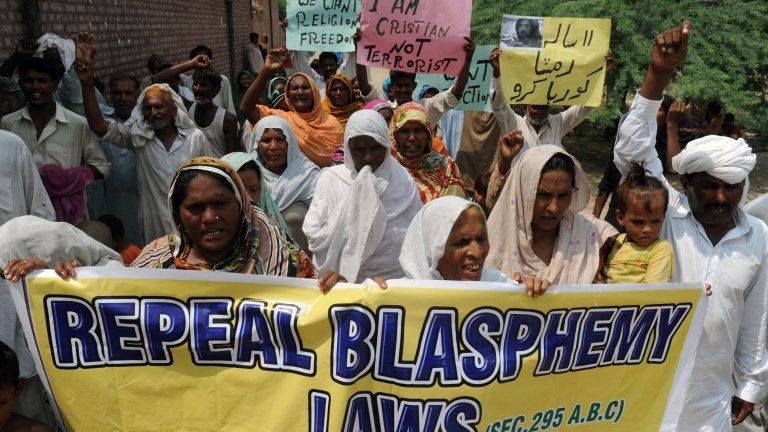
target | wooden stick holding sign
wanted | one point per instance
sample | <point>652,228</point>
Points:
<point>568,68</point>
<point>420,36</point>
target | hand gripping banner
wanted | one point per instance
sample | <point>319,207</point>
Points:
<point>141,350</point>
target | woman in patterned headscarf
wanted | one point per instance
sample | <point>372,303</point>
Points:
<point>217,228</point>
<point>435,174</point>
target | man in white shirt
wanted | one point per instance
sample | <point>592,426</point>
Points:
<point>716,242</point>
<point>328,66</point>
<point>538,126</point>
<point>53,134</point>
<point>159,131</point>
<point>21,190</point>
<point>224,97</point>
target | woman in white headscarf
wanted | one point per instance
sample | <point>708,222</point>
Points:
<point>539,233</point>
<point>361,210</point>
<point>289,175</point>
<point>448,240</point>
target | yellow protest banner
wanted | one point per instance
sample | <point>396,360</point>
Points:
<point>147,350</point>
<point>568,68</point>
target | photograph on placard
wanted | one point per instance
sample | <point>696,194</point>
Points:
<point>521,32</point>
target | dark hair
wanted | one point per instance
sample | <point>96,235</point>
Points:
<point>115,225</point>
<point>201,49</point>
<point>250,165</point>
<point>481,183</point>
<point>124,77</point>
<point>39,64</point>
<point>251,35</point>
<point>639,185</point>
<point>534,27</point>
<point>395,75</point>
<point>666,102</point>
<point>561,162</point>
<point>729,117</point>
<point>714,108</point>
<point>181,187</point>
<point>327,55</point>
<point>208,74</point>
<point>9,366</point>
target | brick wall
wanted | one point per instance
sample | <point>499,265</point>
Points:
<point>127,31</point>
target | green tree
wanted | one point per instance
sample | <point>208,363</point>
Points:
<point>726,57</point>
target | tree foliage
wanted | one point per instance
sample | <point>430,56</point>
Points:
<point>726,56</point>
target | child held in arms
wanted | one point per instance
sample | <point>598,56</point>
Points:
<point>639,255</point>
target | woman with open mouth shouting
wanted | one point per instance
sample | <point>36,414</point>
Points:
<point>218,229</point>
<point>448,240</point>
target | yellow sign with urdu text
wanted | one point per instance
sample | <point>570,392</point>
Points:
<point>567,69</point>
<point>147,350</point>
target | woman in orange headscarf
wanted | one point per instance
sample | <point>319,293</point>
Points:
<point>317,132</point>
<point>340,99</point>
<point>435,174</point>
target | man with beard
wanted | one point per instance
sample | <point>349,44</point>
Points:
<point>537,125</point>
<point>716,242</point>
<point>158,130</point>
<point>119,194</point>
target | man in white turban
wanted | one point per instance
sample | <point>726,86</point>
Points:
<point>716,242</point>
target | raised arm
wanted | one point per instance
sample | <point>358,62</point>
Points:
<point>250,100</point>
<point>504,114</point>
<point>85,51</point>
<point>669,50</point>
<point>231,141</point>
<point>463,78</point>
<point>198,62</point>
<point>24,48</point>
<point>361,71</point>
<point>510,145</point>
<point>676,112</point>
<point>636,137</point>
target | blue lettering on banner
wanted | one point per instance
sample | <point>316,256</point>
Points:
<point>487,345</point>
<point>121,331</point>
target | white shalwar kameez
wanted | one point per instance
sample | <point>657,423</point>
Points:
<point>734,336</point>
<point>155,165</point>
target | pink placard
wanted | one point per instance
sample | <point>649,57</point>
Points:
<point>421,36</point>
